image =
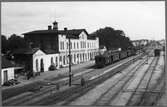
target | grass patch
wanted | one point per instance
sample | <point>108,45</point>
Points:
<point>13,91</point>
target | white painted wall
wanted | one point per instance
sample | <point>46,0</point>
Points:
<point>46,60</point>
<point>88,52</point>
<point>93,49</point>
<point>10,73</point>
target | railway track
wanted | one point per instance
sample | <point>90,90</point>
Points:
<point>113,91</point>
<point>79,91</point>
<point>142,85</point>
<point>155,87</point>
<point>145,90</point>
<point>45,93</point>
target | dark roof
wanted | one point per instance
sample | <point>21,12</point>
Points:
<point>50,51</point>
<point>6,63</point>
<point>25,51</point>
<point>33,50</point>
<point>74,33</point>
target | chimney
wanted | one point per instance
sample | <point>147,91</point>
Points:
<point>30,45</point>
<point>49,27</point>
<point>55,25</point>
<point>65,29</point>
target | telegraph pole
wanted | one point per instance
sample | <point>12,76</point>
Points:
<point>69,59</point>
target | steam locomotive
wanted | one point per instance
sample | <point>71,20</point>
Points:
<point>109,57</point>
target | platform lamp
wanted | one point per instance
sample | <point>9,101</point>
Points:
<point>69,56</point>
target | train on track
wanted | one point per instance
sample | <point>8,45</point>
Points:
<point>109,57</point>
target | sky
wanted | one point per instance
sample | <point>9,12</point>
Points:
<point>139,20</point>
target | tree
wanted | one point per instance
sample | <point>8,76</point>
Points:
<point>16,42</point>
<point>4,44</point>
<point>112,39</point>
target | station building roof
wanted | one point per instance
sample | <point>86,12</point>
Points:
<point>73,33</point>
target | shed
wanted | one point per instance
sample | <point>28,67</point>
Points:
<point>7,72</point>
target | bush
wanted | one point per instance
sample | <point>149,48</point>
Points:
<point>11,82</point>
<point>52,67</point>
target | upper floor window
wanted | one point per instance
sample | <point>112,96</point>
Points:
<point>70,45</point>
<point>67,45</point>
<point>81,44</point>
<point>77,45</point>
<point>74,45</point>
<point>62,45</point>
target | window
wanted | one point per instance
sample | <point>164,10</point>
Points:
<point>64,60</point>
<point>42,66</point>
<point>51,60</point>
<point>5,75</point>
<point>67,45</point>
<point>81,44</point>
<point>74,58</point>
<point>74,45</point>
<point>37,65</point>
<point>77,45</point>
<point>62,45</point>
<point>60,58</point>
<point>56,60</point>
<point>70,45</point>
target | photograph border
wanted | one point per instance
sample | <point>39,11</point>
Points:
<point>165,63</point>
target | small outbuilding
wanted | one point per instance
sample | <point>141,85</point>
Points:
<point>7,71</point>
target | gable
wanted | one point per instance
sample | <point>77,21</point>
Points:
<point>39,53</point>
<point>83,35</point>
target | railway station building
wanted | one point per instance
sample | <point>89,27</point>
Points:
<point>51,47</point>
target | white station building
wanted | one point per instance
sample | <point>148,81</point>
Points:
<point>51,47</point>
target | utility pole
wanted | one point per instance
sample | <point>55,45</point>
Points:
<point>70,74</point>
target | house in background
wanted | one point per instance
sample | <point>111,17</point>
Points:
<point>7,71</point>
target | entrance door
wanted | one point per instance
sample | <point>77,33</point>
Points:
<point>42,65</point>
<point>5,75</point>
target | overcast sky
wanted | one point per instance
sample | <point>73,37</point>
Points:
<point>139,20</point>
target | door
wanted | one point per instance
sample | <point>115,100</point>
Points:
<point>5,75</point>
<point>42,65</point>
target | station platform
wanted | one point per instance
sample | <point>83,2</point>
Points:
<point>51,74</point>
